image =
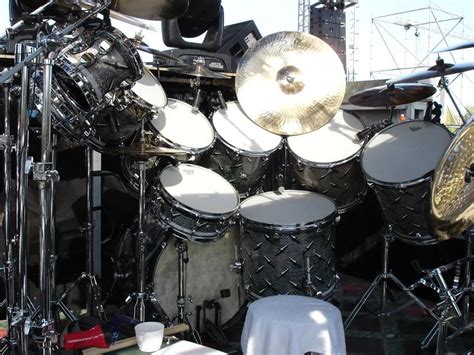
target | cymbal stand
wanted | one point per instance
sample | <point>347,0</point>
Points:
<point>141,239</point>
<point>383,278</point>
<point>24,164</point>
<point>444,85</point>
<point>10,264</point>
<point>94,294</point>
<point>182,317</point>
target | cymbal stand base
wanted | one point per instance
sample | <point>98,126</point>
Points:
<point>382,279</point>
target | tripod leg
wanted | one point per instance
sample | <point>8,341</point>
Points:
<point>362,301</point>
<point>97,294</point>
<point>441,340</point>
<point>467,276</point>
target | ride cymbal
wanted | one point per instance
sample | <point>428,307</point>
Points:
<point>290,83</point>
<point>392,95</point>
<point>157,10</point>
<point>438,70</point>
<point>452,193</point>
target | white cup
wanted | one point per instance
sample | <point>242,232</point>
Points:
<point>149,336</point>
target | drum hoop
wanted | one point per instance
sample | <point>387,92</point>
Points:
<point>191,151</point>
<point>137,98</point>
<point>196,213</point>
<point>356,155</point>
<point>246,153</point>
<point>331,218</point>
<point>402,184</point>
<point>360,197</point>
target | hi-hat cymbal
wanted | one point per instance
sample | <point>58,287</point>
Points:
<point>392,95</point>
<point>290,83</point>
<point>440,69</point>
<point>157,10</point>
<point>141,150</point>
<point>198,70</point>
<point>452,193</point>
<point>463,45</point>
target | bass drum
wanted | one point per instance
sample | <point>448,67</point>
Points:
<point>209,273</point>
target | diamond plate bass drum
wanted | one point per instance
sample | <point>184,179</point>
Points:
<point>399,164</point>
<point>327,161</point>
<point>243,150</point>
<point>288,244</point>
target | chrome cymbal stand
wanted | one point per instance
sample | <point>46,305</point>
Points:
<point>24,164</point>
<point>383,278</point>
<point>10,265</point>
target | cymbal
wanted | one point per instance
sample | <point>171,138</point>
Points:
<point>156,10</point>
<point>156,52</point>
<point>463,45</point>
<point>440,69</point>
<point>140,150</point>
<point>452,193</point>
<point>198,70</point>
<point>290,83</point>
<point>392,95</point>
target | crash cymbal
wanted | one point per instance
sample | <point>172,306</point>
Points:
<point>156,52</point>
<point>198,70</point>
<point>452,193</point>
<point>157,10</point>
<point>464,45</point>
<point>392,95</point>
<point>440,69</point>
<point>290,83</point>
<point>140,150</point>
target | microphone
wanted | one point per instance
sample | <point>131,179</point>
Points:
<point>369,131</point>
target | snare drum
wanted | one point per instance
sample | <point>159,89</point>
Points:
<point>326,161</point>
<point>288,244</point>
<point>177,126</point>
<point>399,164</point>
<point>88,75</point>
<point>243,150</point>
<point>194,202</point>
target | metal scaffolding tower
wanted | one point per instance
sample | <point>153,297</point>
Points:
<point>303,15</point>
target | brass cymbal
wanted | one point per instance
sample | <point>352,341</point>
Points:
<point>157,10</point>
<point>290,83</point>
<point>452,193</point>
<point>392,95</point>
<point>440,69</point>
<point>198,70</point>
<point>141,150</point>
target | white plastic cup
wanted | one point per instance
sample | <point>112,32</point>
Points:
<point>149,336</point>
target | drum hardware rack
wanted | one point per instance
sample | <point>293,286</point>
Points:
<point>43,330</point>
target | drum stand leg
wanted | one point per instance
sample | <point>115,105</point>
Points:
<point>383,278</point>
<point>182,317</point>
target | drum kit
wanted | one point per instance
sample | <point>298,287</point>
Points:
<point>284,167</point>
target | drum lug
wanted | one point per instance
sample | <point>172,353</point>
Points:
<point>337,220</point>
<point>236,266</point>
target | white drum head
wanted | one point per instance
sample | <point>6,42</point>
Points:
<point>405,152</point>
<point>149,89</point>
<point>335,141</point>
<point>208,272</point>
<point>178,124</point>
<point>289,208</point>
<point>199,188</point>
<point>240,132</point>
